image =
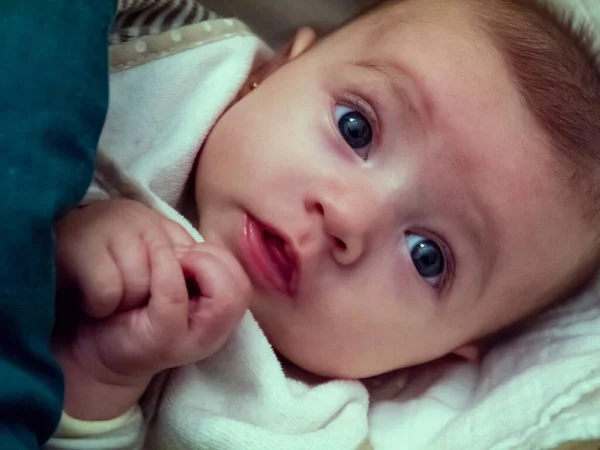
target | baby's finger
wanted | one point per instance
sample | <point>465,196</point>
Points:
<point>221,305</point>
<point>100,282</point>
<point>225,259</point>
<point>131,257</point>
<point>168,306</point>
<point>179,237</point>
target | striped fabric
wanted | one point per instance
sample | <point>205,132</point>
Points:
<point>144,17</point>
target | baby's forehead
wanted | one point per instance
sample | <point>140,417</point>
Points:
<point>388,19</point>
<point>430,25</point>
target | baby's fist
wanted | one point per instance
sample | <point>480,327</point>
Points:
<point>182,323</point>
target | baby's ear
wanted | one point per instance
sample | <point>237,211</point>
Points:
<point>470,352</point>
<point>302,41</point>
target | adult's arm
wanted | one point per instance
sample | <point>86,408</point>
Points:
<point>53,101</point>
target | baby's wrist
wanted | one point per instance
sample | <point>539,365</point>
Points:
<point>90,400</point>
<point>94,396</point>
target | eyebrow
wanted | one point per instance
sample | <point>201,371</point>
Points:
<point>393,74</point>
<point>478,222</point>
<point>475,223</point>
<point>474,220</point>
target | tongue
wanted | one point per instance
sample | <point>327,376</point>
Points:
<point>276,248</point>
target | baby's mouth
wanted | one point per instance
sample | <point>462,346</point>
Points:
<point>269,257</point>
<point>282,256</point>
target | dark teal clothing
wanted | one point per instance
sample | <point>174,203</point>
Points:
<point>53,101</point>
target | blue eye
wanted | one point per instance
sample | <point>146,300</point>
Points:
<point>355,129</point>
<point>428,258</point>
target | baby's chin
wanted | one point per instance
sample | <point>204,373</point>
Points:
<point>320,357</point>
<point>296,372</point>
<point>318,366</point>
<point>313,373</point>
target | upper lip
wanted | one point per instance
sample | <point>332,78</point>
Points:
<point>290,249</point>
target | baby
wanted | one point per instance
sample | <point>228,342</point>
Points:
<point>395,192</point>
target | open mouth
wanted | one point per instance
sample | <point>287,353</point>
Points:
<point>270,258</point>
<point>281,255</point>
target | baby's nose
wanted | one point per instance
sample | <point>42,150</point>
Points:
<point>347,218</point>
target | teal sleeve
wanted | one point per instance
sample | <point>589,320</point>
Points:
<point>54,95</point>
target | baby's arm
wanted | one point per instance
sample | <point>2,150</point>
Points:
<point>131,265</point>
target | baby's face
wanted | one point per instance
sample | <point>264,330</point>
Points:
<point>392,199</point>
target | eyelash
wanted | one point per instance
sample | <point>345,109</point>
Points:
<point>362,106</point>
<point>449,259</point>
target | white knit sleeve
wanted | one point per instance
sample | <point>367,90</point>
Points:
<point>126,432</point>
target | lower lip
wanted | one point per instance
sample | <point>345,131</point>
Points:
<point>257,261</point>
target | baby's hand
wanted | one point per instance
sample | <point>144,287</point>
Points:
<point>171,329</point>
<point>114,358</point>
<point>102,251</point>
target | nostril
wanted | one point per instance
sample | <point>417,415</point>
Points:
<point>341,245</point>
<point>319,208</point>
